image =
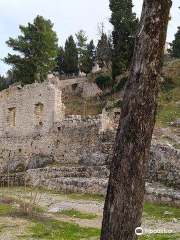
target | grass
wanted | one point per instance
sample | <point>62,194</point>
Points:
<point>77,106</point>
<point>1,228</point>
<point>168,113</point>
<point>45,228</point>
<point>22,207</point>
<point>76,214</point>
<point>169,98</point>
<point>6,209</point>
<point>54,229</point>
<point>173,70</point>
<point>165,236</point>
<point>156,211</point>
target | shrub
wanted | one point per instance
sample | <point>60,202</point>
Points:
<point>103,81</point>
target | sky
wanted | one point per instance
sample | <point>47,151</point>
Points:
<point>68,16</point>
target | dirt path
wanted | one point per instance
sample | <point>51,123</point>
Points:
<point>52,203</point>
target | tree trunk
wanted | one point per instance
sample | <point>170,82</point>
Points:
<point>124,200</point>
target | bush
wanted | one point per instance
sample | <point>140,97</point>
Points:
<point>103,81</point>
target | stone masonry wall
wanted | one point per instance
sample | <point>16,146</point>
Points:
<point>33,108</point>
<point>71,140</point>
<point>34,133</point>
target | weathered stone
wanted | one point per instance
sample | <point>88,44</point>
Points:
<point>174,220</point>
<point>38,162</point>
<point>167,213</point>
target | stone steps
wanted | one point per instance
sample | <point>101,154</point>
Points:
<point>155,192</point>
<point>70,178</point>
<point>74,185</point>
<point>70,171</point>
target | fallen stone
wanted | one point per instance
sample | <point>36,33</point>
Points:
<point>167,213</point>
<point>174,220</point>
<point>59,209</point>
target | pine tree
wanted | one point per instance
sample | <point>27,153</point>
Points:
<point>175,51</point>
<point>3,83</point>
<point>125,26</point>
<point>104,51</point>
<point>70,56</point>
<point>38,49</point>
<point>88,58</point>
<point>60,65</point>
<point>82,48</point>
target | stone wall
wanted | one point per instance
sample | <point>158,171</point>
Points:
<point>72,140</point>
<point>34,134</point>
<point>164,164</point>
<point>33,108</point>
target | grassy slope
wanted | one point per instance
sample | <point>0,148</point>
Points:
<point>169,98</point>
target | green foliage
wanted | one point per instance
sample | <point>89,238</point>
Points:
<point>37,50</point>
<point>175,51</point>
<point>6,209</point>
<point>169,96</point>
<point>3,83</point>
<point>53,229</point>
<point>125,26</point>
<point>103,81</point>
<point>86,52</point>
<point>104,51</point>
<point>168,113</point>
<point>88,58</point>
<point>77,214</point>
<point>60,65</point>
<point>70,56</point>
<point>81,42</point>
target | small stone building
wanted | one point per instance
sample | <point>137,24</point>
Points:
<point>33,107</point>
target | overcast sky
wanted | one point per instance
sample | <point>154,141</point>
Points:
<point>68,17</point>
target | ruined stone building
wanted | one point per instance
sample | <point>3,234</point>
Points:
<point>33,125</point>
<point>37,141</point>
<point>32,108</point>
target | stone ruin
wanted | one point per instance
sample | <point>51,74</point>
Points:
<point>33,125</point>
<point>39,145</point>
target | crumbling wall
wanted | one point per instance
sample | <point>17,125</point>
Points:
<point>33,108</point>
<point>71,140</point>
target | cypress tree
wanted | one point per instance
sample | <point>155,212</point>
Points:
<point>60,61</point>
<point>70,56</point>
<point>104,51</point>
<point>175,51</point>
<point>125,26</point>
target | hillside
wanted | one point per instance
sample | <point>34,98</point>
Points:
<point>168,99</point>
<point>169,96</point>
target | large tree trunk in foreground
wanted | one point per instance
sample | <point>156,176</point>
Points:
<point>123,206</point>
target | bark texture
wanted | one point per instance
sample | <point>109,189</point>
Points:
<point>124,200</point>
